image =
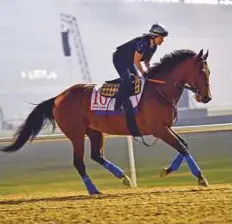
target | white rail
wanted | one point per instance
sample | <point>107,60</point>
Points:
<point>180,130</point>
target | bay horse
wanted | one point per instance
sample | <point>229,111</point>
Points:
<point>156,114</point>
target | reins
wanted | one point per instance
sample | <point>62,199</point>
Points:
<point>156,81</point>
<point>193,89</point>
<point>162,82</point>
<point>185,86</point>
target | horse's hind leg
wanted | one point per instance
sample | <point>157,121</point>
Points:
<point>97,154</point>
<point>76,135</point>
<point>170,137</point>
<point>70,116</point>
<point>78,160</point>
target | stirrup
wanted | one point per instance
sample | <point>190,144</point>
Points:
<point>120,101</point>
<point>118,105</point>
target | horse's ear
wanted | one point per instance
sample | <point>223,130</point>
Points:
<point>200,54</point>
<point>205,56</point>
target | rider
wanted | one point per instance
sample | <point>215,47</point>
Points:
<point>127,59</point>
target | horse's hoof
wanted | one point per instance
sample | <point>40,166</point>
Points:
<point>126,181</point>
<point>163,172</point>
<point>95,193</point>
<point>202,181</point>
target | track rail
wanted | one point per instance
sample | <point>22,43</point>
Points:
<point>180,130</point>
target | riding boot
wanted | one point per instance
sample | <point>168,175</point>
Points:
<point>124,93</point>
<point>120,97</point>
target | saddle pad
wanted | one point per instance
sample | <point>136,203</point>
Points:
<point>110,89</point>
<point>103,103</point>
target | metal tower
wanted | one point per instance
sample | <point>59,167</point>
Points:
<point>72,27</point>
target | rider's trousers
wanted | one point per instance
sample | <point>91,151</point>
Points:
<point>124,69</point>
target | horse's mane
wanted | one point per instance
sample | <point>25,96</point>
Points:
<point>168,62</point>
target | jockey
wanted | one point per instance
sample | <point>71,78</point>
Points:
<point>127,59</point>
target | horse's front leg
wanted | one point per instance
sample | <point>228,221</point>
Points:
<point>177,161</point>
<point>173,139</point>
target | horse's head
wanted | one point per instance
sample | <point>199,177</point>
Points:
<point>198,77</point>
<point>182,67</point>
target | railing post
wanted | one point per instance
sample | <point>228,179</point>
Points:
<point>132,161</point>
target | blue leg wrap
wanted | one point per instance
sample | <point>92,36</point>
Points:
<point>114,169</point>
<point>175,164</point>
<point>89,185</point>
<point>192,165</point>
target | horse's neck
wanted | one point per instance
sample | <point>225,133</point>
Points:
<point>172,87</point>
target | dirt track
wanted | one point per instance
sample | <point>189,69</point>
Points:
<point>154,205</point>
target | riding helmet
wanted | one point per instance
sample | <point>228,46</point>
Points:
<point>157,30</point>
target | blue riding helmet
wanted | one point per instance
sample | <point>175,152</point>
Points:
<point>158,30</point>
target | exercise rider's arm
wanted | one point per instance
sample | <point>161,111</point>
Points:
<point>137,61</point>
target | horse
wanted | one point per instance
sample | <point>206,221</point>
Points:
<point>156,113</point>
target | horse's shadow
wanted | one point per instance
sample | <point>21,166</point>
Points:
<point>57,199</point>
<point>98,196</point>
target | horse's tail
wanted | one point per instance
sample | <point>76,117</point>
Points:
<point>41,115</point>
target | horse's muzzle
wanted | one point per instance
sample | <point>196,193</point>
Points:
<point>206,99</point>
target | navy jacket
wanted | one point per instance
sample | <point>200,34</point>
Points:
<point>140,44</point>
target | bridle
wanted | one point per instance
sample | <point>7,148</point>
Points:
<point>181,86</point>
<point>194,89</point>
<point>165,97</point>
<point>178,85</point>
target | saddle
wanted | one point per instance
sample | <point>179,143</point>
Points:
<point>110,88</point>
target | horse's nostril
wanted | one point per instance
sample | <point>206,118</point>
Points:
<point>206,99</point>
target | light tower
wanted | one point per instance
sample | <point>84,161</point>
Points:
<point>70,28</point>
